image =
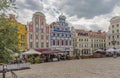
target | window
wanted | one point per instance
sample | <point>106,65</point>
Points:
<point>58,28</point>
<point>117,30</point>
<point>58,34</point>
<point>47,37</point>
<point>109,37</point>
<point>113,31</point>
<point>42,44</point>
<point>91,45</point>
<point>42,30</point>
<point>37,29</point>
<point>66,29</point>
<point>117,36</point>
<point>63,29</point>
<point>62,24</point>
<point>112,26</point>
<point>22,37</point>
<point>58,42</point>
<point>36,36</point>
<point>62,35</point>
<point>30,36</point>
<point>87,39</point>
<point>117,25</point>
<point>47,44</point>
<point>30,44</point>
<point>113,37</point>
<point>42,37</point>
<point>53,34</point>
<point>62,42</point>
<point>22,44</point>
<point>53,42</point>
<point>81,39</point>
<point>66,35</point>
<point>42,23</point>
<point>118,43</point>
<point>36,44</point>
<point>66,42</point>
<point>70,42</point>
<point>36,22</point>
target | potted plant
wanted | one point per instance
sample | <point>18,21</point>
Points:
<point>78,56</point>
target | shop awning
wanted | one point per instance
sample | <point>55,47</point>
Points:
<point>48,51</point>
<point>31,52</point>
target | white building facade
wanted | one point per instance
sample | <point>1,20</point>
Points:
<point>113,33</point>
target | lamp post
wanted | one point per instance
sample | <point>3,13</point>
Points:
<point>113,43</point>
<point>4,70</point>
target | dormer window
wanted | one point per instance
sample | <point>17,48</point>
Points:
<point>112,26</point>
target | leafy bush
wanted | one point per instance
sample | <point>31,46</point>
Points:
<point>37,60</point>
<point>30,60</point>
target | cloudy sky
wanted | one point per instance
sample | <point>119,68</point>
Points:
<point>82,14</point>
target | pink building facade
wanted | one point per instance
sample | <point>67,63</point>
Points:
<point>38,32</point>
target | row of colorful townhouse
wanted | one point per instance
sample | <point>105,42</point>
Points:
<point>59,35</point>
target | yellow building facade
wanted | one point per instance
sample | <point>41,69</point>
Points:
<point>22,33</point>
<point>87,42</point>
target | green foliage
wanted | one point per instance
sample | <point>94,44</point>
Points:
<point>8,34</point>
<point>78,56</point>
<point>8,43</point>
<point>37,60</point>
<point>30,60</point>
<point>6,5</point>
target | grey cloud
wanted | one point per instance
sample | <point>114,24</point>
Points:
<point>34,5</point>
<point>93,27</point>
<point>96,27</point>
<point>86,8</point>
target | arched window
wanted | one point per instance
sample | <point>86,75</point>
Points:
<point>70,42</point>
<point>53,34</point>
<point>53,42</point>
<point>58,34</point>
<point>58,28</point>
<point>62,42</point>
<point>66,42</point>
<point>58,42</point>
<point>66,35</point>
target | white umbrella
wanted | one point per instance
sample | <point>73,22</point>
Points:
<point>118,50</point>
<point>111,50</point>
<point>31,52</point>
<point>100,50</point>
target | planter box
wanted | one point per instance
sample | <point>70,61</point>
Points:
<point>86,57</point>
<point>97,55</point>
<point>16,66</point>
<point>72,57</point>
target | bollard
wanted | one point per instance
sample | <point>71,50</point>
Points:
<point>4,70</point>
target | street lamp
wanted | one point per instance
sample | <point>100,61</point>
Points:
<point>113,43</point>
<point>4,70</point>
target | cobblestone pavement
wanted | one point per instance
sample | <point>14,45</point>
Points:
<point>83,68</point>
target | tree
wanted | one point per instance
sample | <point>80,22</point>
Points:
<point>8,33</point>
